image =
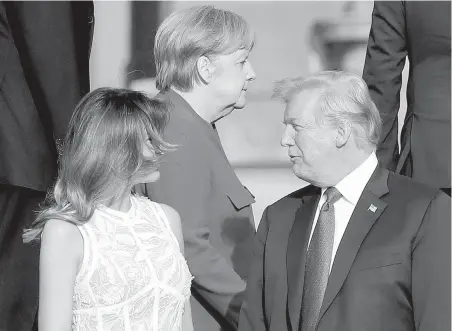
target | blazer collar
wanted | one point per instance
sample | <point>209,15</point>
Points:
<point>180,108</point>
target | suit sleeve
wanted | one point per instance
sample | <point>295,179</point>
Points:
<point>252,312</point>
<point>431,263</point>
<point>385,60</point>
<point>48,36</point>
<point>185,184</point>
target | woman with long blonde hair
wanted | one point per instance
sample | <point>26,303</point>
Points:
<point>111,260</point>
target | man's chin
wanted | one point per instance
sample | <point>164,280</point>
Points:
<point>298,172</point>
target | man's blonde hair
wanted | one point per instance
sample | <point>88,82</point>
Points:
<point>342,97</point>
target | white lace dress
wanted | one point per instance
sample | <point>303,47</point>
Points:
<point>133,276</point>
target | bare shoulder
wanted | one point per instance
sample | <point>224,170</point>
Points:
<point>61,239</point>
<point>175,222</point>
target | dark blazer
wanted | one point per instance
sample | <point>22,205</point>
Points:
<point>419,30</point>
<point>391,270</point>
<point>44,71</point>
<point>215,208</point>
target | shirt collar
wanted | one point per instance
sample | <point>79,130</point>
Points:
<point>352,186</point>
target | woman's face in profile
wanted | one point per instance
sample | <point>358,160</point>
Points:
<point>153,174</point>
<point>233,73</point>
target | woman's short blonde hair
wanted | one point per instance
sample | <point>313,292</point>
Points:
<point>188,34</point>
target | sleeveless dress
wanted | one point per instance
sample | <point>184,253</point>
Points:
<point>133,276</point>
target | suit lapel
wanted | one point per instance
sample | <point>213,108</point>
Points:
<point>296,255</point>
<point>367,211</point>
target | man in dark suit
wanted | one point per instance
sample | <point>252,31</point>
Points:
<point>44,71</point>
<point>419,30</point>
<point>361,248</point>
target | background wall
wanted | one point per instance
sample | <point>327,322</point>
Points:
<point>293,39</point>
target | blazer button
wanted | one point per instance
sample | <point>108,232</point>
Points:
<point>90,19</point>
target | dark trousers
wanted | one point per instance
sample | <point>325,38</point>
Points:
<point>19,262</point>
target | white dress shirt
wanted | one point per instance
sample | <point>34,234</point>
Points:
<point>351,187</point>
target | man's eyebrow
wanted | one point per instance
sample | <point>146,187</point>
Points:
<point>295,121</point>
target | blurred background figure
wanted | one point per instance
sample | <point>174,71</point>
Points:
<point>419,31</point>
<point>44,71</point>
<point>305,37</point>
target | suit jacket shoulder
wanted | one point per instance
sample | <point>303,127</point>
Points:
<point>407,189</point>
<point>295,197</point>
<point>286,207</point>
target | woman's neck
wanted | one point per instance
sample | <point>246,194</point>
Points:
<point>120,202</point>
<point>200,100</point>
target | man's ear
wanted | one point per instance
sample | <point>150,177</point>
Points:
<point>344,131</point>
<point>205,69</point>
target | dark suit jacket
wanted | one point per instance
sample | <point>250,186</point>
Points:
<point>419,30</point>
<point>44,71</point>
<point>215,208</point>
<point>391,270</point>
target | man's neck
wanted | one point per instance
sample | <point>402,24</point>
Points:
<point>352,162</point>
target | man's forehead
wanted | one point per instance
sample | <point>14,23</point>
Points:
<point>301,104</point>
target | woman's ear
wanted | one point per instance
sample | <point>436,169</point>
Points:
<point>205,69</point>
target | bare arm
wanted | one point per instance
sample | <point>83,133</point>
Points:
<point>175,222</point>
<point>61,253</point>
<point>187,321</point>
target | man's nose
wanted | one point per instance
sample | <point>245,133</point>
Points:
<point>286,140</point>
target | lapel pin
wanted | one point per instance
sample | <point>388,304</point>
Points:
<point>372,208</point>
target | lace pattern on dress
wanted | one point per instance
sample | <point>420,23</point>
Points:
<point>133,275</point>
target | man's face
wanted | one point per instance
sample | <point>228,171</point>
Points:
<point>311,146</point>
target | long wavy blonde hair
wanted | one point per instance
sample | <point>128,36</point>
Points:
<point>102,153</point>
